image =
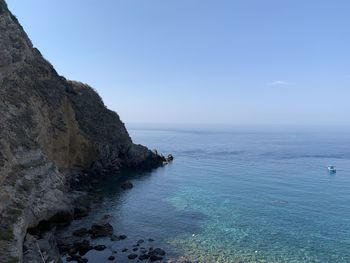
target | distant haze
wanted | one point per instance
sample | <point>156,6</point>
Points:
<point>195,61</point>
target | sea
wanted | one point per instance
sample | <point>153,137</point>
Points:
<point>234,195</point>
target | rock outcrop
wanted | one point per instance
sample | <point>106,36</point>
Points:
<point>48,127</point>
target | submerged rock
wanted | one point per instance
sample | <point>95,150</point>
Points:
<point>156,254</point>
<point>115,238</point>
<point>132,256</point>
<point>159,251</point>
<point>143,257</point>
<point>122,237</point>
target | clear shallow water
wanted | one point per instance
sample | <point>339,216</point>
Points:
<point>237,196</point>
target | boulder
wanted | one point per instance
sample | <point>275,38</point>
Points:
<point>101,229</point>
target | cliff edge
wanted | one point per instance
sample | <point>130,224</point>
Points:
<point>48,127</point>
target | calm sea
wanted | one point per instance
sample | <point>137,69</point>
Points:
<point>237,196</point>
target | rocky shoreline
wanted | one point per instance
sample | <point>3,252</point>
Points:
<point>56,136</point>
<point>43,244</point>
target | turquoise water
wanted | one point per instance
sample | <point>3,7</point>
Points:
<point>238,196</point>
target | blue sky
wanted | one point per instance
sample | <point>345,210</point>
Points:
<point>237,62</point>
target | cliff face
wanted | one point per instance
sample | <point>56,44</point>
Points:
<point>49,126</point>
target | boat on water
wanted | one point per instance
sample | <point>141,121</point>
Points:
<point>332,168</point>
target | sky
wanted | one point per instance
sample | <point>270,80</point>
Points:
<point>239,62</point>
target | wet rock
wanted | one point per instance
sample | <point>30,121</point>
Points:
<point>140,241</point>
<point>115,238</point>
<point>154,257</point>
<point>135,249</point>
<point>124,249</point>
<point>81,232</point>
<point>143,257</point>
<point>132,256</point>
<point>159,251</point>
<point>66,244</point>
<point>83,247</point>
<point>150,240</point>
<point>101,230</point>
<point>126,185</point>
<point>170,158</point>
<point>111,258</point>
<point>100,247</point>
<point>122,237</point>
<point>156,254</point>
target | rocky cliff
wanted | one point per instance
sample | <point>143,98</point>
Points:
<point>48,127</point>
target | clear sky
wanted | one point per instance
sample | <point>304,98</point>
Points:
<point>198,61</point>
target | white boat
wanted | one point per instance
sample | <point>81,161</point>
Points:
<point>332,168</point>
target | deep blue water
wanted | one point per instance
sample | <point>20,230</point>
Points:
<point>248,196</point>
